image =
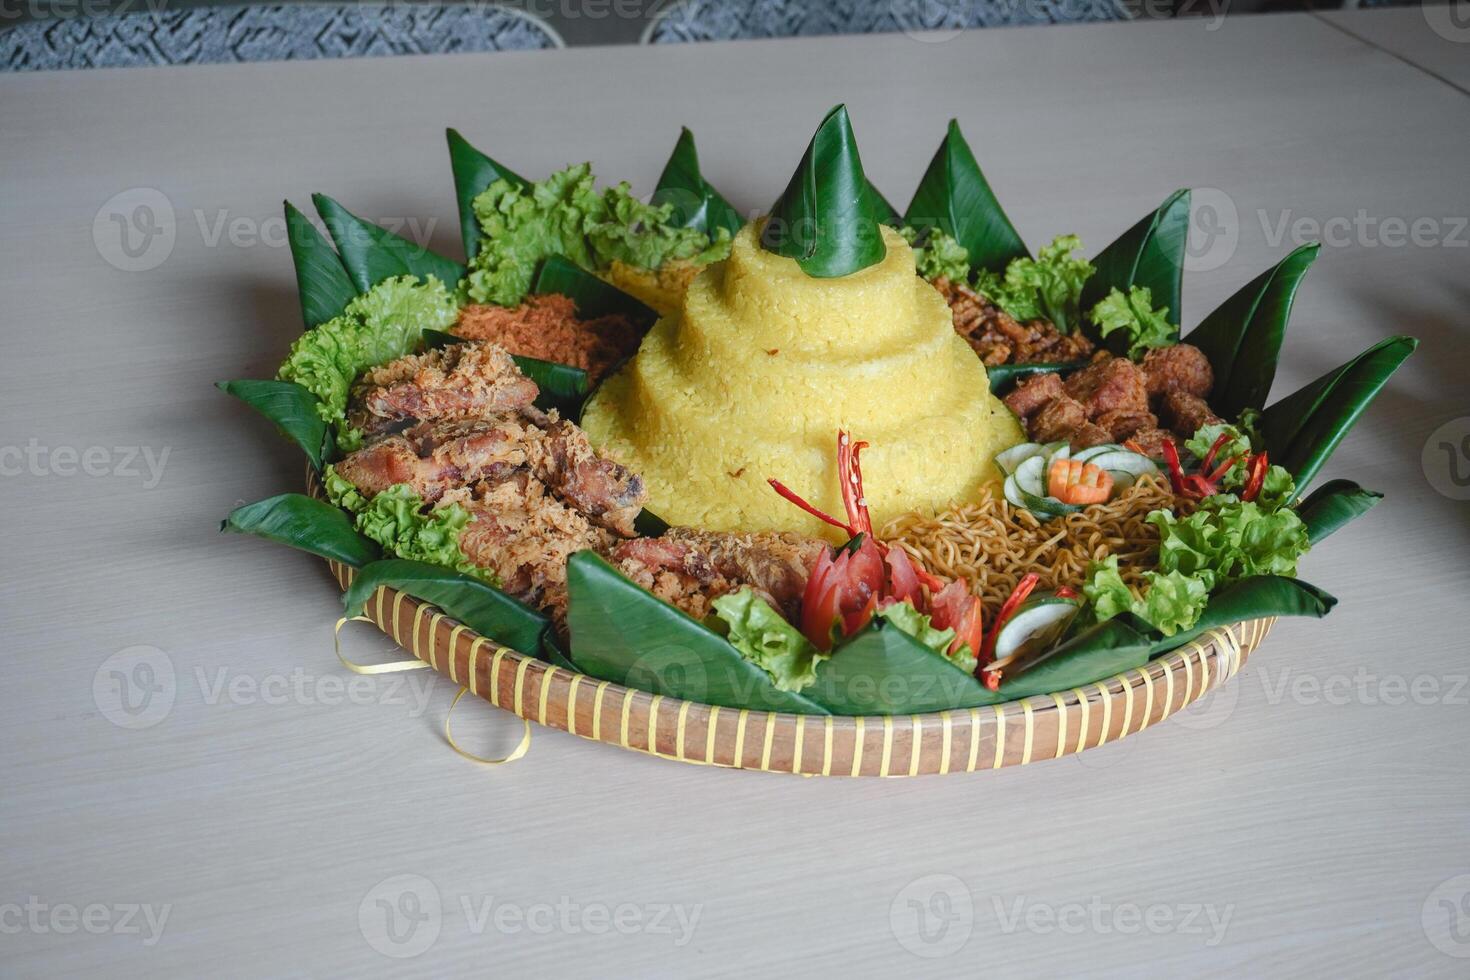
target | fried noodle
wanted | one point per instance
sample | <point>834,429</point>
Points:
<point>991,544</point>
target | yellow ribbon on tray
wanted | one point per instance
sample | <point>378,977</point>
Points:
<point>521,748</point>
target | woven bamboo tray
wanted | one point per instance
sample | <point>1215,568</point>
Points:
<point>1011,734</point>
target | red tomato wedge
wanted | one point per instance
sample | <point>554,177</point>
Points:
<point>842,593</point>
<point>955,607</point>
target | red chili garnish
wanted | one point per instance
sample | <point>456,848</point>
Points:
<point>850,474</point>
<point>1259,464</point>
<point>1205,483</point>
<point>796,499</point>
<point>1018,595</point>
<point>1067,592</point>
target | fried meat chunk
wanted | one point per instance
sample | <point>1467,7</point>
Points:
<point>1182,367</point>
<point>690,568</point>
<point>460,381</point>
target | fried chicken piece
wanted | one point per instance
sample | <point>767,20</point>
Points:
<point>1058,421</point>
<point>547,327</point>
<point>606,491</point>
<point>1035,393</point>
<point>1109,384</point>
<point>433,457</point>
<point>1087,435</point>
<point>1186,413</point>
<point>689,568</point>
<point>525,535</point>
<point>1182,367</point>
<point>466,380</point>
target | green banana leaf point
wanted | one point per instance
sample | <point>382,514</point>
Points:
<point>473,172</point>
<point>1151,255</point>
<point>696,204</point>
<point>304,523</point>
<point>955,195</point>
<point>827,219</point>
<point>293,409</point>
<point>321,281</point>
<point>372,254</point>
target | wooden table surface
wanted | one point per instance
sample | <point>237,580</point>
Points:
<point>191,787</point>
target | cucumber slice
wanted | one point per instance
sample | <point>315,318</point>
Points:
<point>1013,457</point>
<point>1086,455</point>
<point>1031,475</point>
<point>1038,622</point>
<point>1047,506</point>
<point>1013,492</point>
<point>1121,480</point>
<point>1126,462</point>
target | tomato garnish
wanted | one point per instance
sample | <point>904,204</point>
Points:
<point>954,607</point>
<point>903,581</point>
<point>1018,595</point>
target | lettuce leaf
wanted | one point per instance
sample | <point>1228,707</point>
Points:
<point>1228,539</point>
<point>1142,326</point>
<point>1048,286</point>
<point>566,215</point>
<point>904,616</point>
<point>767,640</point>
<point>938,254</point>
<point>378,326</point>
<point>1170,601</point>
<point>396,520</point>
<point>1238,443</point>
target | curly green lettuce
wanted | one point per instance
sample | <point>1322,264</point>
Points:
<point>1144,327</point>
<point>938,254</point>
<point>566,215</point>
<point>767,640</point>
<point>903,616</point>
<point>1048,286</point>
<point>386,322</point>
<point>397,521</point>
<point>1170,602</point>
<point>1228,539</point>
<point>1278,489</point>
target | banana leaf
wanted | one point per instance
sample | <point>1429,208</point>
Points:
<point>886,213</point>
<point>481,607</point>
<point>624,634</point>
<point>1003,376</point>
<point>306,523</point>
<point>1334,504</point>
<point>322,283</point>
<point>1092,655</point>
<point>882,670</point>
<point>1259,597</point>
<point>827,219</point>
<point>955,195</point>
<point>1302,429</point>
<point>473,172</point>
<point>1150,254</point>
<point>294,411</point>
<point>552,652</point>
<point>696,204</point>
<point>592,296</point>
<point>372,254</point>
<point>650,525</point>
<point>1242,338</point>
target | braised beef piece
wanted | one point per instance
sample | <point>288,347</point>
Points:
<point>1034,393</point>
<point>1109,384</point>
<point>1184,412</point>
<point>1182,367</point>
<point>1115,400</point>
